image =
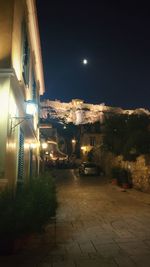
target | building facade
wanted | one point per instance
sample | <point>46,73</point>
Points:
<point>90,146</point>
<point>21,84</point>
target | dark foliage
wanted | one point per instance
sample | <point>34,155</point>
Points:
<point>127,135</point>
<point>29,209</point>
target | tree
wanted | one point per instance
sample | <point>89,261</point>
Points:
<point>127,135</point>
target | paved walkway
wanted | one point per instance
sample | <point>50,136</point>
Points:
<point>97,225</point>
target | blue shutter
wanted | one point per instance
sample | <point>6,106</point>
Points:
<point>34,93</point>
<point>25,54</point>
<point>21,157</point>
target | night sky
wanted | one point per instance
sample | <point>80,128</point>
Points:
<point>113,35</point>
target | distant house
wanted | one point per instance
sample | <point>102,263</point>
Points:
<point>55,143</point>
<point>91,140</point>
<point>21,84</point>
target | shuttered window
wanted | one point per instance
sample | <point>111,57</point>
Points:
<point>25,54</point>
<point>21,156</point>
<point>34,89</point>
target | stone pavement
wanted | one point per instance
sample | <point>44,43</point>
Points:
<point>97,225</point>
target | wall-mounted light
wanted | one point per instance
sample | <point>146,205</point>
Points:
<point>31,107</point>
<point>33,145</point>
<point>26,145</point>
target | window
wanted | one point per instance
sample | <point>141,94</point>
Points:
<point>31,161</point>
<point>92,140</point>
<point>25,54</point>
<point>21,156</point>
<point>34,88</point>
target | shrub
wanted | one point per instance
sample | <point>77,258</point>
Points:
<point>127,135</point>
<point>29,209</point>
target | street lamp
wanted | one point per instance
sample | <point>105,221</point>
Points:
<point>44,145</point>
<point>73,145</point>
<point>30,111</point>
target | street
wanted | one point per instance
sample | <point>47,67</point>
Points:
<point>100,224</point>
<point>97,225</point>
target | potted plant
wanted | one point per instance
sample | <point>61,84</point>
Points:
<point>121,177</point>
<point>115,175</point>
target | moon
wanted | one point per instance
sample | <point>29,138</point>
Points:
<point>85,61</point>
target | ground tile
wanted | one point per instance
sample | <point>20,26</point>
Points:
<point>142,260</point>
<point>147,242</point>
<point>96,263</point>
<point>44,264</point>
<point>124,234</point>
<point>87,247</point>
<point>108,250</point>
<point>123,260</point>
<point>135,248</point>
<point>64,264</point>
<point>73,248</point>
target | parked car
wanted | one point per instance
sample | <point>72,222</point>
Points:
<point>88,168</point>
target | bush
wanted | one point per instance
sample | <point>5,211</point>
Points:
<point>29,209</point>
<point>127,135</point>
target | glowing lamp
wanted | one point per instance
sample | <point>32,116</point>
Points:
<point>44,145</point>
<point>31,108</point>
<point>33,145</point>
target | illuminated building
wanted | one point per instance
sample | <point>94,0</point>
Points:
<point>21,83</point>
